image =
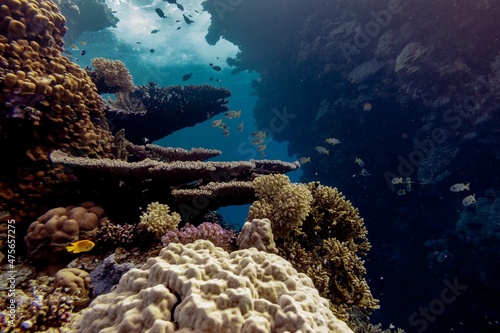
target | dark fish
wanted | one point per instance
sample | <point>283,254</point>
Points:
<point>196,11</point>
<point>187,77</point>
<point>83,52</point>
<point>138,42</point>
<point>187,19</point>
<point>178,28</point>
<point>218,80</point>
<point>177,21</point>
<point>210,64</point>
<point>211,79</point>
<point>155,31</point>
<point>160,13</point>
<point>171,1</point>
<point>181,7</point>
<point>152,50</point>
<point>217,68</point>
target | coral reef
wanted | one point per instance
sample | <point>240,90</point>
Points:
<point>48,103</point>
<point>174,107</point>
<point>285,204</point>
<point>327,240</point>
<point>212,232</point>
<point>111,76</point>
<point>257,234</point>
<point>39,307</point>
<point>158,220</point>
<point>199,287</point>
<point>49,235</point>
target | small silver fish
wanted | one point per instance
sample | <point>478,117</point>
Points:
<point>322,150</point>
<point>332,141</point>
<point>459,187</point>
<point>359,162</point>
<point>469,200</point>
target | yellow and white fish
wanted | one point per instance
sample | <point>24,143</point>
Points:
<point>80,246</point>
<point>258,141</point>
<point>259,134</point>
<point>397,180</point>
<point>261,148</point>
<point>459,187</point>
<point>401,192</point>
<point>359,162</point>
<point>332,141</point>
<point>322,150</point>
<point>217,123</point>
<point>226,131</point>
<point>469,200</point>
<point>232,114</point>
<point>240,127</point>
<point>304,160</point>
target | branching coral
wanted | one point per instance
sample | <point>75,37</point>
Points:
<point>212,232</point>
<point>321,233</point>
<point>111,76</point>
<point>158,220</point>
<point>285,204</point>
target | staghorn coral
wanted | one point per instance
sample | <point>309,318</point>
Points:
<point>257,234</point>
<point>111,76</point>
<point>47,103</point>
<point>49,235</point>
<point>285,204</point>
<point>201,288</point>
<point>212,232</point>
<point>158,220</point>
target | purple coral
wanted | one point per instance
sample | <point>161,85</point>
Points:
<point>207,230</point>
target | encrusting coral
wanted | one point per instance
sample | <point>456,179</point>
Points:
<point>326,244</point>
<point>48,103</point>
<point>201,288</point>
<point>158,220</point>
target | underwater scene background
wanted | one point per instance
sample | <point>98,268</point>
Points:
<point>132,132</point>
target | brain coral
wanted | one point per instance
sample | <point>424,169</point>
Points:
<point>53,231</point>
<point>201,288</point>
<point>47,101</point>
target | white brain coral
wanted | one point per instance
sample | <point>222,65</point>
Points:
<point>202,288</point>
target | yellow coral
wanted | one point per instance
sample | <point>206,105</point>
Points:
<point>112,76</point>
<point>285,204</point>
<point>158,220</point>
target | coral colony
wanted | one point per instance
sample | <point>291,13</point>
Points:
<point>295,266</point>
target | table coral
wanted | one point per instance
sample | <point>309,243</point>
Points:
<point>48,103</point>
<point>48,236</point>
<point>201,288</point>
